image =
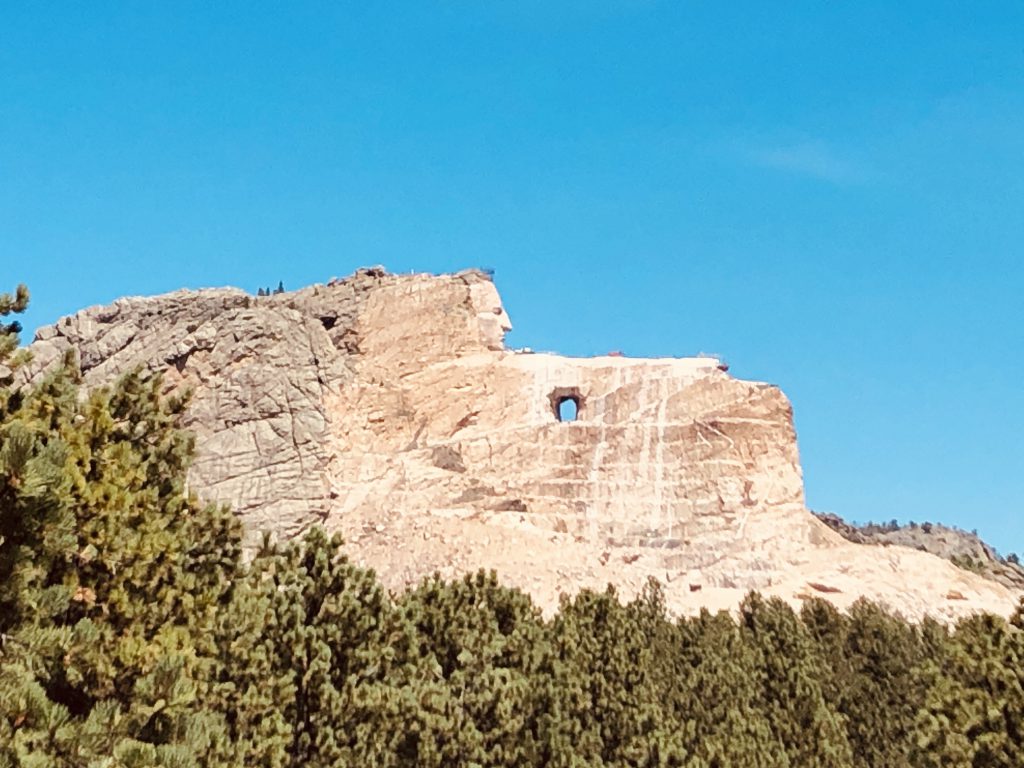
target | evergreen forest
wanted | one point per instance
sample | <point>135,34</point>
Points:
<point>133,634</point>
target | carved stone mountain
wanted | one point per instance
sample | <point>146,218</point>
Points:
<point>388,408</point>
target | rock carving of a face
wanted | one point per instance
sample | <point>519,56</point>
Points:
<point>494,321</point>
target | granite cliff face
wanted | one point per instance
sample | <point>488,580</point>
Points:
<point>387,407</point>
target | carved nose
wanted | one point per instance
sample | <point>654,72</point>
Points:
<point>504,321</point>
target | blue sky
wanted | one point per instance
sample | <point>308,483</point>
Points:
<point>829,195</point>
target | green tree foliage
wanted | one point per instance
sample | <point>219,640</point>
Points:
<point>608,709</point>
<point>709,682</point>
<point>489,645</point>
<point>10,357</point>
<point>872,677</point>
<point>973,714</point>
<point>11,304</point>
<point>882,689</point>
<point>789,674</point>
<point>1017,619</point>
<point>110,578</point>
<point>321,668</point>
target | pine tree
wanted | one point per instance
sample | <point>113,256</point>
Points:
<point>490,645</point>
<point>9,305</point>
<point>876,681</point>
<point>882,693</point>
<point>712,693</point>
<point>608,710</point>
<point>789,676</point>
<point>110,578</point>
<point>10,357</point>
<point>828,629</point>
<point>974,709</point>
<point>1017,618</point>
<point>320,669</point>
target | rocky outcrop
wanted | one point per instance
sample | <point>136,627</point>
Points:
<point>962,548</point>
<point>387,407</point>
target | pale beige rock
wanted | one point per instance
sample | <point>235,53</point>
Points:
<point>387,408</point>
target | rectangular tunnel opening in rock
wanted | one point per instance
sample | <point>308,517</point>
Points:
<point>566,403</point>
<point>568,409</point>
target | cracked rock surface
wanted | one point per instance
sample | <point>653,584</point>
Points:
<point>387,407</point>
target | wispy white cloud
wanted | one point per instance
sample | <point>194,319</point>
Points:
<point>813,159</point>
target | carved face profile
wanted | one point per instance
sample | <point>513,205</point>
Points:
<point>494,321</point>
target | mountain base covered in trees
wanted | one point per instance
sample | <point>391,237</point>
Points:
<point>132,634</point>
